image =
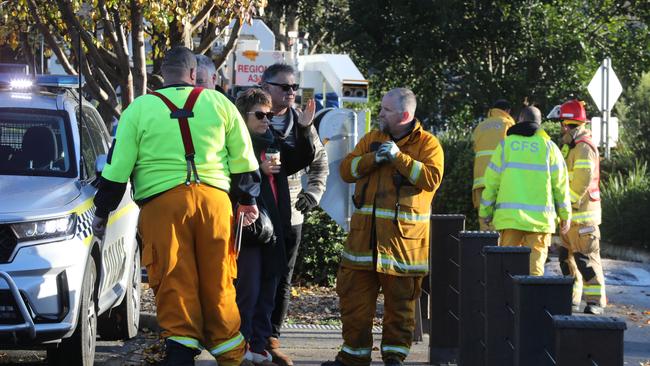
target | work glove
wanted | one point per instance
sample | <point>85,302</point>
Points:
<point>305,202</point>
<point>380,159</point>
<point>99,226</point>
<point>388,149</point>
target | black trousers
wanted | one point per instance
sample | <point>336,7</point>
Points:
<point>283,294</point>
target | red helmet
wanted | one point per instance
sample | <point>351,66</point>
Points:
<point>573,110</point>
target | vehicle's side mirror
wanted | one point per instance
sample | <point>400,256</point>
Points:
<point>100,163</point>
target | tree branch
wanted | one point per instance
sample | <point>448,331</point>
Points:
<point>109,56</point>
<point>95,89</point>
<point>201,16</point>
<point>70,18</point>
<point>127,81</point>
<point>208,40</point>
<point>50,40</point>
<point>27,51</point>
<point>230,45</point>
<point>112,34</point>
<point>314,47</point>
<point>137,43</point>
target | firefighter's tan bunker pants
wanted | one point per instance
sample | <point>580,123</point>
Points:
<point>537,242</point>
<point>580,257</point>
<point>358,290</point>
<point>191,266</point>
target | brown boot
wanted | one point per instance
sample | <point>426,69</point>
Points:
<point>279,357</point>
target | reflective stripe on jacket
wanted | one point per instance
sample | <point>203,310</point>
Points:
<point>486,137</point>
<point>401,221</point>
<point>583,163</point>
<point>526,184</point>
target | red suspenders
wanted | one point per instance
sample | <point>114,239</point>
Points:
<point>182,115</point>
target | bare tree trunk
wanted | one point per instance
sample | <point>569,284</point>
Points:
<point>28,55</point>
<point>137,43</point>
<point>208,37</point>
<point>126,80</point>
<point>230,46</point>
<point>50,40</point>
<point>96,90</point>
<point>281,33</point>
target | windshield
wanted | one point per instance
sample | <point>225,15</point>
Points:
<point>35,142</point>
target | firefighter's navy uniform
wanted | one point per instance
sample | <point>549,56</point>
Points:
<point>185,224</point>
<point>580,251</point>
<point>486,138</point>
<point>388,244</point>
<point>526,189</point>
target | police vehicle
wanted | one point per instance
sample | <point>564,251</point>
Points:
<point>59,286</point>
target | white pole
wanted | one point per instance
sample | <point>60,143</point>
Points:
<point>608,63</point>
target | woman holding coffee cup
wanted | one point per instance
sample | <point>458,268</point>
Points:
<point>261,264</point>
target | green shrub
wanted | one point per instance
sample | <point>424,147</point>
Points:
<point>626,207</point>
<point>455,193</point>
<point>554,131</point>
<point>634,115</point>
<point>320,250</point>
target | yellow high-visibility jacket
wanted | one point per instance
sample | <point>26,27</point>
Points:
<point>397,198</point>
<point>583,163</point>
<point>526,183</point>
<point>486,137</point>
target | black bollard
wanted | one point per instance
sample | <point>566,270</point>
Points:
<point>472,296</point>
<point>442,326</point>
<point>588,340</point>
<point>501,263</point>
<point>536,300</point>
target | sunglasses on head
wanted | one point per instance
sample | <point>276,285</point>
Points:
<point>260,115</point>
<point>285,87</point>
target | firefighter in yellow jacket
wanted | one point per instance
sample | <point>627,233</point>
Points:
<point>580,250</point>
<point>183,162</point>
<point>486,136</point>
<point>397,170</point>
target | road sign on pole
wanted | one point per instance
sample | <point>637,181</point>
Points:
<point>605,88</point>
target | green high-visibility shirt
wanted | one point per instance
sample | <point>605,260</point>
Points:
<point>148,143</point>
<point>526,185</point>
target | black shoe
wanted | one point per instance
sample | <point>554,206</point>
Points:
<point>332,363</point>
<point>593,309</point>
<point>178,355</point>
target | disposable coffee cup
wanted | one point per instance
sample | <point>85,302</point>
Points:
<point>273,155</point>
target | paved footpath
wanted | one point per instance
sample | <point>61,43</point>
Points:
<point>311,345</point>
<point>628,289</point>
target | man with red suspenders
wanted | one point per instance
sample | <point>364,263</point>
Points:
<point>184,163</point>
<point>580,250</point>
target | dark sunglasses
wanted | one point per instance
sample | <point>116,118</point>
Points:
<point>260,115</point>
<point>285,87</point>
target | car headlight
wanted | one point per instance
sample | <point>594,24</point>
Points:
<point>57,228</point>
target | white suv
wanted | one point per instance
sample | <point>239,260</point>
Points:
<point>59,286</point>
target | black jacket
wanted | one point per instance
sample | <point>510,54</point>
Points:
<point>293,159</point>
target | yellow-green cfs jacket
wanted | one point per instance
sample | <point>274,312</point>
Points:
<point>583,163</point>
<point>149,148</point>
<point>397,196</point>
<point>526,183</point>
<point>486,137</point>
